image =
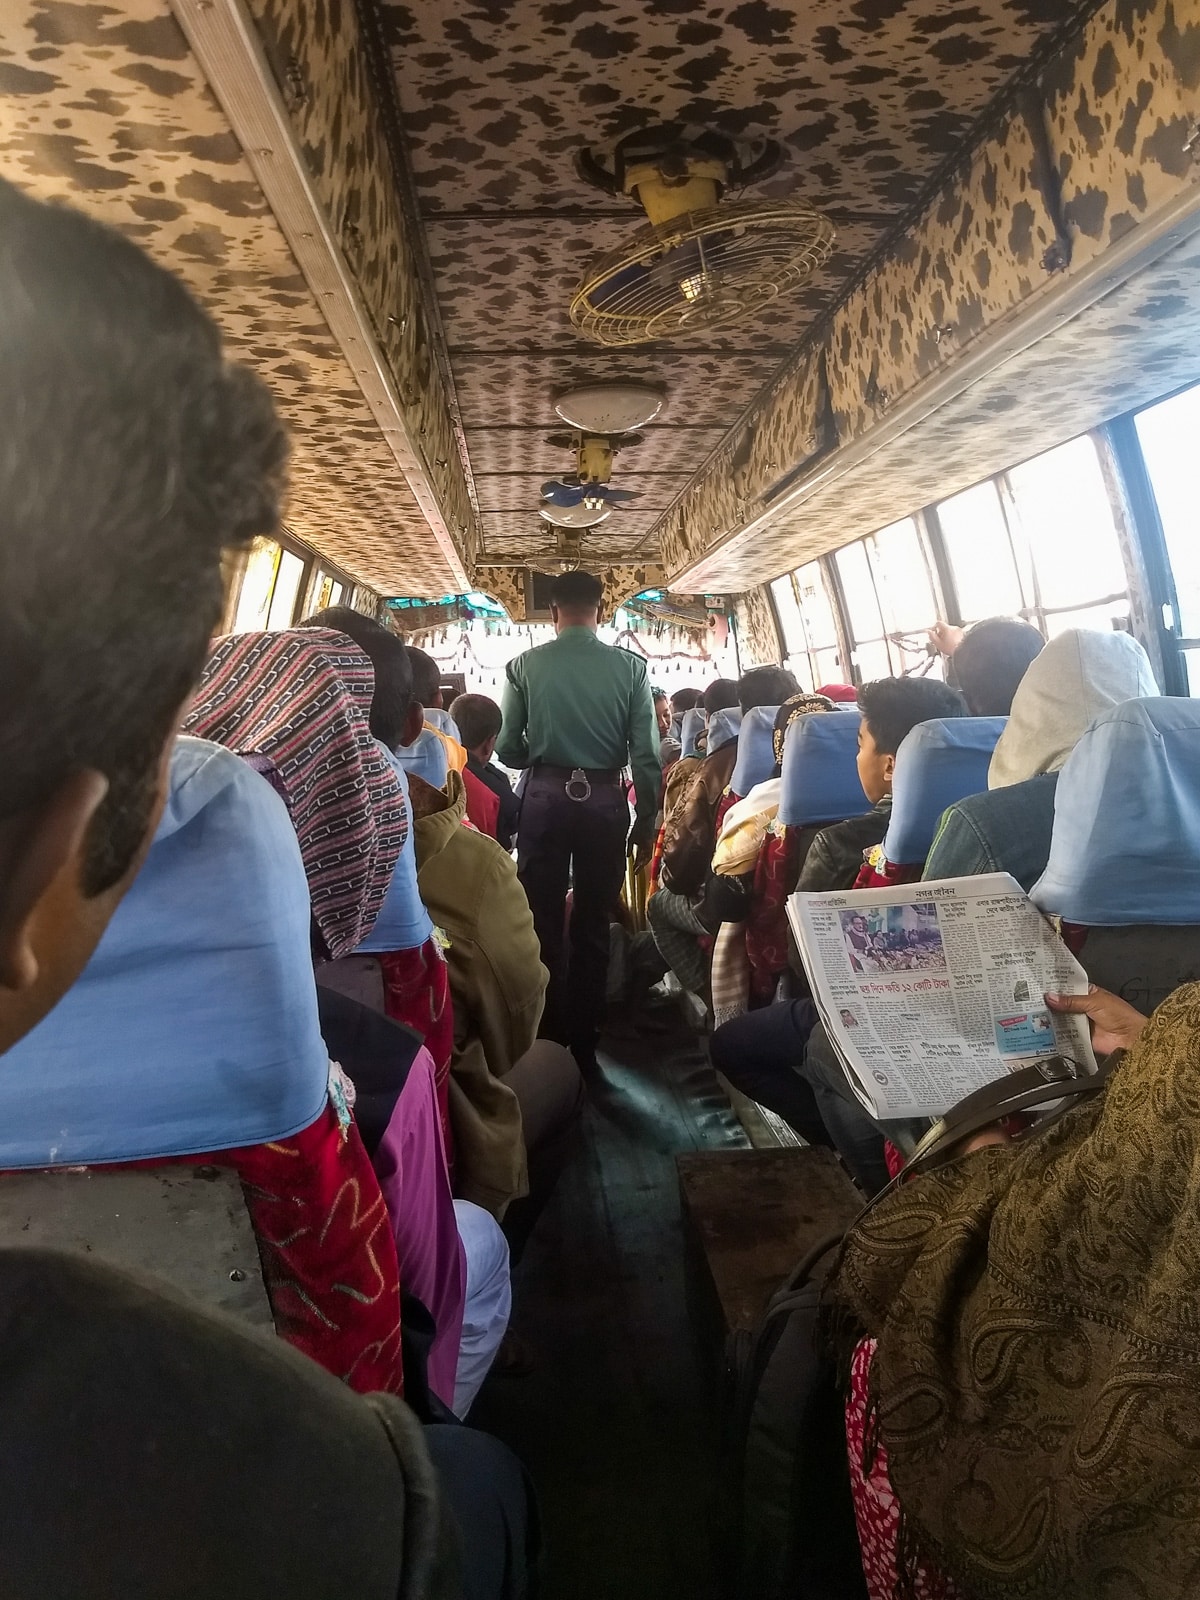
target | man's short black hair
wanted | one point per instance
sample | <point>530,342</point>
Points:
<point>132,455</point>
<point>991,661</point>
<point>577,591</point>
<point>721,695</point>
<point>426,675</point>
<point>685,700</point>
<point>765,686</point>
<point>478,719</point>
<point>393,671</point>
<point>892,707</point>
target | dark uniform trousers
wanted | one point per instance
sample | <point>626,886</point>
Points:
<point>563,842</point>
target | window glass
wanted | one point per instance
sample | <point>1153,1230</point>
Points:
<point>873,660</point>
<point>902,578</point>
<point>337,593</point>
<point>862,607</point>
<point>1191,659</point>
<point>1100,617</point>
<point>287,591</point>
<point>980,554</point>
<point>1170,434</point>
<point>258,584</point>
<point>1067,518</point>
<point>322,591</point>
<point>816,608</point>
<point>787,608</point>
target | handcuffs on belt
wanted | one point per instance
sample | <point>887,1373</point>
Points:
<point>578,779</point>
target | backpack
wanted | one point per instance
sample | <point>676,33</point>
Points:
<point>787,1518</point>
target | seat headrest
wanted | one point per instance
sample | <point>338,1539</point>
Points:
<point>437,718</point>
<point>403,922</point>
<point>722,727</point>
<point>755,757</point>
<point>1126,842</point>
<point>820,770</point>
<point>938,763</point>
<point>426,757</point>
<point>690,730</point>
<point>193,1028</point>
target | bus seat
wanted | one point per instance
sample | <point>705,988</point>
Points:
<point>938,763</point>
<point>722,727</point>
<point>755,755</point>
<point>426,758</point>
<point>443,721</point>
<point>820,771</point>
<point>690,730</point>
<point>1124,867</point>
<point>357,978</point>
<point>190,1222</point>
<point>216,925</point>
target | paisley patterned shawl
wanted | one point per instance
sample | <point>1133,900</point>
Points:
<point>1037,1311</point>
<point>300,700</point>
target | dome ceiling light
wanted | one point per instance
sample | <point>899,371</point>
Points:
<point>610,408</point>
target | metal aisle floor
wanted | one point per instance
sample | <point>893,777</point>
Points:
<point>616,1422</point>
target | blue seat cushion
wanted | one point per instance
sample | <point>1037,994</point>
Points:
<point>938,763</point>
<point>722,727</point>
<point>756,755</point>
<point>820,770</point>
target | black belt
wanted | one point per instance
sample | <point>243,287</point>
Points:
<point>577,781</point>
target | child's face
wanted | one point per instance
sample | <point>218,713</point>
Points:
<point>874,767</point>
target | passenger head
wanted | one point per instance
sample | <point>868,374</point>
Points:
<point>1077,676</point>
<point>685,700</point>
<point>426,678</point>
<point>800,705</point>
<point>394,708</point>
<point>721,695</point>
<point>478,720</point>
<point>131,455</point>
<point>662,712</point>
<point>575,601</point>
<point>990,663</point>
<point>765,686</point>
<point>890,708</point>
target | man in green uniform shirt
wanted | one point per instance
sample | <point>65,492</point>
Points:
<point>576,712</point>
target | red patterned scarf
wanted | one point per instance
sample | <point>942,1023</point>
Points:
<point>300,701</point>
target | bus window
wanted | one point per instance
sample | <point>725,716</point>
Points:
<point>1066,517</point>
<point>287,591</point>
<point>791,624</point>
<point>977,542</point>
<point>871,655</point>
<point>258,585</point>
<point>1168,433</point>
<point>820,625</point>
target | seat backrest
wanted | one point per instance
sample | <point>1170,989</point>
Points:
<point>189,1223</point>
<point>690,730</point>
<point>426,757</point>
<point>755,756</point>
<point>403,922</point>
<point>938,763</point>
<point>820,770</point>
<point>194,1026</point>
<point>442,720</point>
<point>1125,848</point>
<point>722,727</point>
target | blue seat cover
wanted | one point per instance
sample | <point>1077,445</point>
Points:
<point>1126,842</point>
<point>756,756</point>
<point>722,727</point>
<point>193,1027</point>
<point>403,922</point>
<point>443,721</point>
<point>426,756</point>
<point>820,770</point>
<point>690,730</point>
<point>938,763</point>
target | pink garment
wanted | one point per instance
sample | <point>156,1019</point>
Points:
<point>876,1509</point>
<point>411,1166</point>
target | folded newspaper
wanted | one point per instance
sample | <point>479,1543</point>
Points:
<point>930,990</point>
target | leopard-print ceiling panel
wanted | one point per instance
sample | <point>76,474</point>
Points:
<point>1139,342</point>
<point>507,585</point>
<point>321,64</point>
<point>757,636</point>
<point>105,108</point>
<point>988,249</point>
<point>866,98</point>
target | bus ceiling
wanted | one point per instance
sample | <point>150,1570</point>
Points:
<point>810,267</point>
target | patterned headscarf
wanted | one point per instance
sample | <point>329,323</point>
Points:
<point>800,705</point>
<point>298,702</point>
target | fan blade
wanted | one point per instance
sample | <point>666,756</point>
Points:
<point>615,497</point>
<point>563,494</point>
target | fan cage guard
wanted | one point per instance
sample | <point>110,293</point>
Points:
<point>746,254</point>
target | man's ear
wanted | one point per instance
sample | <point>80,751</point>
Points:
<point>414,721</point>
<point>488,749</point>
<point>35,848</point>
<point>889,767</point>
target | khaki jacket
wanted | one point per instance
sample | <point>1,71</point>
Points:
<point>497,984</point>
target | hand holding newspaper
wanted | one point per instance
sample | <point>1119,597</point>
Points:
<point>928,991</point>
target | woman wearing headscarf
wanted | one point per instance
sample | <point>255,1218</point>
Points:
<point>1024,1411</point>
<point>1078,675</point>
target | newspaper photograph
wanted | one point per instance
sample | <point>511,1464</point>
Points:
<point>930,990</point>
